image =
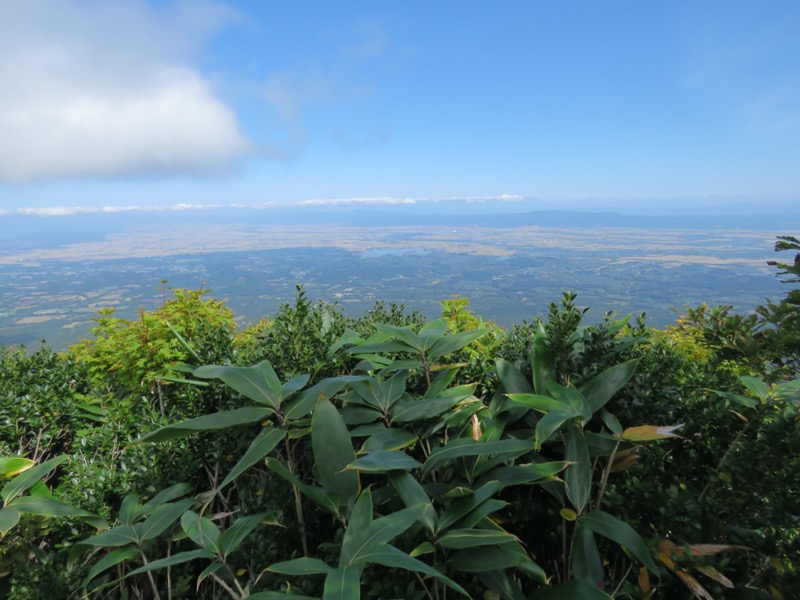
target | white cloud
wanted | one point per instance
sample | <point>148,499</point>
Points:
<point>106,89</point>
<point>340,201</point>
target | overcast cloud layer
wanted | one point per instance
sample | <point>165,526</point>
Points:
<point>106,89</point>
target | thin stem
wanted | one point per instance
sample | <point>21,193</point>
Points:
<point>150,575</point>
<point>606,473</point>
<point>225,586</point>
<point>298,500</point>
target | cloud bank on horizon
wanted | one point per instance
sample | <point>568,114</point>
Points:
<point>117,105</point>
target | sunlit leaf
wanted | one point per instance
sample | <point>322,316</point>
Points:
<point>648,433</point>
<point>14,465</point>
<point>29,477</point>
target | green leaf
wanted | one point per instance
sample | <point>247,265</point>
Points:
<point>30,476</point>
<point>118,536</point>
<point>48,507</point>
<point>524,474</point>
<point>549,424</point>
<point>306,400</point>
<point>391,557</point>
<point>262,445</point>
<point>383,461</point>
<point>390,439</point>
<point>129,509</point>
<point>278,596</point>
<point>219,420</point>
<point>201,530</point>
<point>14,465</point>
<point>431,332</point>
<point>9,517</point>
<point>380,531</point>
<point>462,447</point>
<point>544,404</point>
<point>236,533</point>
<point>572,590</point>
<point>343,583</point>
<point>301,566</point>
<point>587,564</point>
<point>167,495</point>
<point>572,399</point>
<point>408,411</point>
<point>259,382</point>
<point>611,422</point>
<point>452,343</point>
<point>603,387</point>
<point>333,451</point>
<point>412,494</point>
<point>208,571</point>
<point>322,498</point>
<point>109,560</point>
<point>486,558</point>
<point>511,379</point>
<point>175,559</point>
<point>161,518</point>
<point>620,532</point>
<point>459,539</point>
<point>578,476</point>
<point>756,386</point>
<point>460,508</point>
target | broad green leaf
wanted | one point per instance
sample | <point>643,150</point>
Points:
<point>380,531</point>
<point>620,532</point>
<point>359,415</point>
<point>542,362</point>
<point>511,379</point>
<point>611,422</point>
<point>358,524</point>
<point>578,476</point>
<point>129,509</point>
<point>412,494</point>
<point>648,433</point>
<point>755,385</point>
<point>572,399</point>
<point>485,558</point>
<point>381,347</point>
<point>259,382</point>
<point>118,536</point>
<point>175,559</point>
<point>389,439</point>
<point>392,389</point>
<point>549,424</point>
<point>301,566</point>
<point>208,571</point>
<point>343,583</point>
<point>233,536</point>
<point>293,385</point>
<point>524,474</point>
<point>402,334</point>
<point>389,556</point>
<point>543,404</point>
<point>333,451</point>
<point>14,465</point>
<point>603,387</point>
<point>462,447</point>
<point>459,539</point>
<point>408,411</point>
<point>29,477</point>
<point>439,384</point>
<point>322,498</point>
<point>201,530</point>
<point>167,495</point>
<point>262,445</point>
<point>452,343</point>
<point>431,332</point>
<point>109,560</point>
<point>305,401</point>
<point>383,461</point>
<point>572,590</point>
<point>9,517</point>
<point>219,420</point>
<point>587,564</point>
<point>48,507</point>
<point>502,585</point>
<point>160,519</point>
<point>460,508</point>
<point>737,399</point>
<point>481,512</point>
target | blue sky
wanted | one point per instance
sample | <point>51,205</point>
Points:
<point>130,103</point>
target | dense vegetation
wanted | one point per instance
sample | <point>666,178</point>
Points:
<point>320,455</point>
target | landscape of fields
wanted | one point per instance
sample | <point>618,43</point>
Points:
<point>53,287</point>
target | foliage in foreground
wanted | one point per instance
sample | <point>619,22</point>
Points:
<point>316,455</point>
